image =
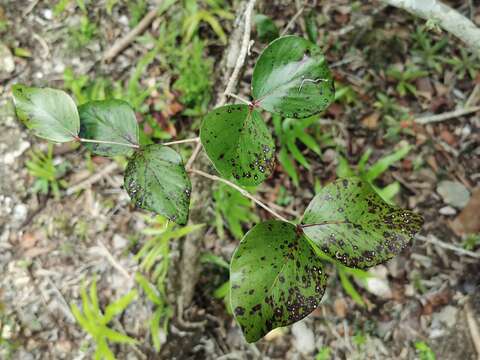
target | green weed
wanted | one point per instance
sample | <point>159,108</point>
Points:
<point>95,322</point>
<point>47,174</point>
<point>374,171</point>
<point>232,210</point>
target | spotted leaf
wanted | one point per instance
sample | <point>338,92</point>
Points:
<point>51,114</point>
<point>276,279</point>
<point>292,78</point>
<point>239,144</point>
<point>156,180</point>
<point>109,120</point>
<point>351,223</point>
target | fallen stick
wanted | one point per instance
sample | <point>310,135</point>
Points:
<point>435,241</point>
<point>444,16</point>
<point>125,41</point>
<point>92,179</point>
<point>473,327</point>
<point>447,115</point>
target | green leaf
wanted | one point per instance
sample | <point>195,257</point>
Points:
<point>349,288</point>
<point>351,223</point>
<point>311,26</point>
<point>266,28</point>
<point>51,114</point>
<point>109,120</point>
<point>117,337</point>
<point>292,78</point>
<point>119,306</point>
<point>385,162</point>
<point>156,180</point>
<point>239,144</point>
<point>276,278</point>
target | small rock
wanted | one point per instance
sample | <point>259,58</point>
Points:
<point>447,210</point>
<point>63,346</point>
<point>119,242</point>
<point>378,284</point>
<point>20,212</point>
<point>447,316</point>
<point>47,14</point>
<point>453,193</point>
<point>304,339</point>
<point>7,64</point>
<point>329,155</point>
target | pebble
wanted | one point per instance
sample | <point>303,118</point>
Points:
<point>453,193</point>
<point>378,284</point>
<point>447,316</point>
<point>447,210</point>
<point>304,339</point>
<point>119,242</point>
<point>7,63</point>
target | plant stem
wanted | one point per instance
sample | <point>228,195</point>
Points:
<point>239,189</point>
<point>195,139</point>
<point>135,146</point>
<point>249,103</point>
<point>331,222</point>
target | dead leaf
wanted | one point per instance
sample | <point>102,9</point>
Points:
<point>335,110</point>
<point>371,121</point>
<point>341,307</point>
<point>468,221</point>
<point>435,301</point>
<point>448,137</point>
<point>28,241</point>
<point>425,88</point>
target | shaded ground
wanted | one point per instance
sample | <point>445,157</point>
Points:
<point>388,73</point>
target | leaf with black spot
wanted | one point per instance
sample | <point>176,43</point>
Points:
<point>238,143</point>
<point>51,114</point>
<point>156,180</point>
<point>292,78</point>
<point>109,120</point>
<point>349,221</point>
<point>276,279</point>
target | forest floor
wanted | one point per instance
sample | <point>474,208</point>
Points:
<point>392,73</point>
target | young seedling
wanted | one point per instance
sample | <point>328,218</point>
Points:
<point>277,274</point>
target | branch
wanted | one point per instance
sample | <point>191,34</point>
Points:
<point>125,41</point>
<point>234,76</point>
<point>472,326</point>
<point>195,139</point>
<point>446,116</point>
<point>92,179</point>
<point>239,189</point>
<point>243,52</point>
<point>433,240</point>
<point>135,146</point>
<point>446,17</point>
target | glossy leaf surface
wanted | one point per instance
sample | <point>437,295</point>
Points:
<point>292,78</point>
<point>156,180</point>
<point>109,120</point>
<point>276,279</point>
<point>51,114</point>
<point>350,222</point>
<point>239,144</point>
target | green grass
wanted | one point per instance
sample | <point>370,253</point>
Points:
<point>370,173</point>
<point>95,322</point>
<point>47,174</point>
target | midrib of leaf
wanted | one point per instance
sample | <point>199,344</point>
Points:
<point>237,140</point>
<point>276,277</point>
<point>172,203</point>
<point>56,120</point>
<point>110,125</point>
<point>286,84</point>
<point>329,222</point>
